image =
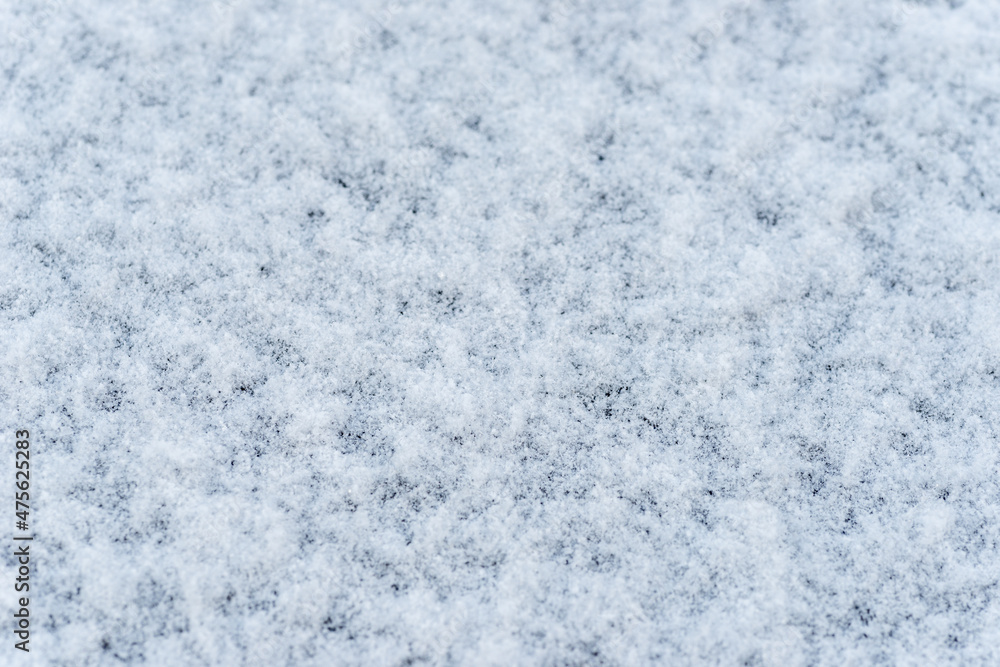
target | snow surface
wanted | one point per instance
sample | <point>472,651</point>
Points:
<point>499,333</point>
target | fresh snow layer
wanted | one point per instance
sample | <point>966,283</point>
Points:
<point>465,332</point>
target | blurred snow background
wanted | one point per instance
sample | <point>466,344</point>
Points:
<point>496,333</point>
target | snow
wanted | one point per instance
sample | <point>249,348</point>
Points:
<point>523,332</point>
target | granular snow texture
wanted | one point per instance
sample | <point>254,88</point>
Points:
<point>521,332</point>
